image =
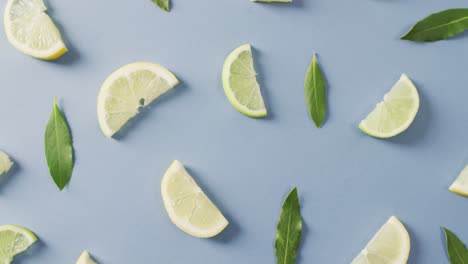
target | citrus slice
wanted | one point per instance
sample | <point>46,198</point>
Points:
<point>85,259</point>
<point>14,240</point>
<point>5,163</point>
<point>240,83</point>
<point>128,89</point>
<point>30,30</point>
<point>188,207</point>
<point>460,186</point>
<point>391,245</point>
<point>395,113</point>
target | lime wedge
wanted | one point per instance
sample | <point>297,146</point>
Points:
<point>5,163</point>
<point>460,186</point>
<point>30,30</point>
<point>187,206</point>
<point>85,259</point>
<point>391,245</point>
<point>14,240</point>
<point>395,113</point>
<point>240,83</point>
<point>128,89</point>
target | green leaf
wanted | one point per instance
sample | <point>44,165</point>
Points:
<point>315,94</point>
<point>439,26</point>
<point>289,230</point>
<point>456,250</point>
<point>163,4</point>
<point>58,148</point>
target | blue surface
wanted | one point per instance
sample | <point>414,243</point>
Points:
<point>349,183</point>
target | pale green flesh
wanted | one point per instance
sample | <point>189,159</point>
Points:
<point>12,243</point>
<point>388,246</point>
<point>243,82</point>
<point>395,113</point>
<point>129,93</point>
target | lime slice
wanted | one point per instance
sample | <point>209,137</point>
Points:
<point>188,207</point>
<point>240,83</point>
<point>395,113</point>
<point>460,186</point>
<point>14,240</point>
<point>128,89</point>
<point>5,163</point>
<point>391,245</point>
<point>30,30</point>
<point>85,259</point>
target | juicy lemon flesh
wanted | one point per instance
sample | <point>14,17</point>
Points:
<point>5,163</point>
<point>85,259</point>
<point>188,206</point>
<point>395,113</point>
<point>129,89</point>
<point>460,186</point>
<point>391,245</point>
<point>31,30</point>
<point>240,83</point>
<point>14,240</point>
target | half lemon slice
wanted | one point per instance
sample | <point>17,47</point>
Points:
<point>391,245</point>
<point>395,113</point>
<point>187,205</point>
<point>30,30</point>
<point>128,89</point>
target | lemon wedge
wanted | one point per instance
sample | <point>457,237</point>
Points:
<point>30,30</point>
<point>187,205</point>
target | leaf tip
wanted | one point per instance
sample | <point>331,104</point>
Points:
<point>446,230</point>
<point>318,124</point>
<point>294,191</point>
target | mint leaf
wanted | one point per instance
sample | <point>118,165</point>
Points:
<point>315,94</point>
<point>456,250</point>
<point>163,4</point>
<point>439,26</point>
<point>58,148</point>
<point>288,230</point>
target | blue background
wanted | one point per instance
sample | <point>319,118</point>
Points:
<point>349,183</point>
